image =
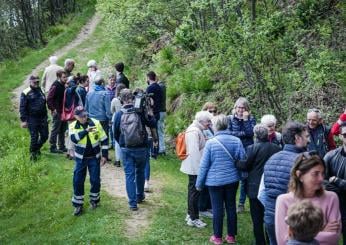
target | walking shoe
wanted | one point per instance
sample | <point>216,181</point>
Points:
<point>196,223</point>
<point>78,210</point>
<point>133,208</point>
<point>215,240</point>
<point>93,205</point>
<point>141,200</point>
<point>64,150</point>
<point>33,157</point>
<point>55,150</point>
<point>117,164</point>
<point>187,217</point>
<point>230,239</point>
<point>240,208</point>
<point>146,186</point>
<point>206,214</point>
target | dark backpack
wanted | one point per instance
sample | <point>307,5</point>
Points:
<point>132,128</point>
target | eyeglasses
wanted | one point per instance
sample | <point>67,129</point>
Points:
<point>212,111</point>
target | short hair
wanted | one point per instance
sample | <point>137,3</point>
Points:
<point>59,73</point>
<point>261,132</point>
<point>203,116</point>
<point>208,105</point>
<point>317,111</point>
<point>126,95</point>
<point>53,59</point>
<point>268,119</point>
<point>220,122</point>
<point>99,81</point>
<point>83,79</point>
<point>119,67</point>
<point>68,61</point>
<point>119,88</point>
<point>305,220</point>
<point>92,63</point>
<point>244,102</point>
<point>292,129</point>
<point>303,164</point>
<point>151,75</point>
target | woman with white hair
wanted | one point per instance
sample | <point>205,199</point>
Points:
<point>94,73</point>
<point>273,136</point>
<point>195,141</point>
<point>219,173</point>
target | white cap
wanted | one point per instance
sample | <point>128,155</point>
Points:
<point>91,63</point>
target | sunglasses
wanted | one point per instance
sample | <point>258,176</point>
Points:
<point>212,111</point>
<point>343,135</point>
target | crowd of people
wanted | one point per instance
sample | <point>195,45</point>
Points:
<point>295,180</point>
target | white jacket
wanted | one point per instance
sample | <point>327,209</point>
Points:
<point>49,76</point>
<point>195,142</point>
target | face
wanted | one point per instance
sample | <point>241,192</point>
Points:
<point>81,119</point>
<point>212,110</point>
<point>303,139</point>
<point>271,128</point>
<point>111,82</point>
<point>206,124</point>
<point>63,78</point>
<point>239,110</point>
<point>70,66</point>
<point>313,120</point>
<point>34,84</point>
<point>313,179</point>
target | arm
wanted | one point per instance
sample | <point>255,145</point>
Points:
<point>330,141</point>
<point>23,108</point>
<point>76,137</point>
<point>249,125</point>
<point>281,228</point>
<point>113,105</point>
<point>116,126</point>
<point>50,98</point>
<point>103,140</point>
<point>192,147</point>
<point>204,167</point>
<point>108,106</point>
<point>246,164</point>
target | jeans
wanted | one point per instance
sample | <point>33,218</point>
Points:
<point>242,196</point>
<point>58,131</point>
<point>105,126</point>
<point>38,134</point>
<point>257,214</point>
<point>147,164</point>
<point>161,131</point>
<point>117,151</point>
<point>224,197</point>
<point>204,200</point>
<point>79,174</point>
<point>134,164</point>
<point>270,229</point>
<point>192,198</point>
<point>111,135</point>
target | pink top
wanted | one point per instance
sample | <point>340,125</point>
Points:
<point>328,202</point>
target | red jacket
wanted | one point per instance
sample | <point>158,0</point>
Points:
<point>335,130</point>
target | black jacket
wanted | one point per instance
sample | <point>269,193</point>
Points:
<point>121,78</point>
<point>32,105</point>
<point>257,156</point>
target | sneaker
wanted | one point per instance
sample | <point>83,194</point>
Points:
<point>230,239</point>
<point>141,200</point>
<point>146,186</point>
<point>117,164</point>
<point>196,223</point>
<point>78,210</point>
<point>93,205</point>
<point>55,150</point>
<point>187,217</point>
<point>64,150</point>
<point>133,208</point>
<point>240,208</point>
<point>215,240</point>
<point>206,214</point>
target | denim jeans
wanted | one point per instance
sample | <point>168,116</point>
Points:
<point>79,174</point>
<point>224,196</point>
<point>257,214</point>
<point>134,164</point>
<point>270,229</point>
<point>192,198</point>
<point>147,163</point>
<point>58,131</point>
<point>161,131</point>
<point>242,196</point>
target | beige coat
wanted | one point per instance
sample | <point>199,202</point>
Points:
<point>195,142</point>
<point>49,76</point>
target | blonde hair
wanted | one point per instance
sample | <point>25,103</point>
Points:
<point>208,105</point>
<point>243,101</point>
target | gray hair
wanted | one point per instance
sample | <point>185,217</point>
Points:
<point>268,119</point>
<point>67,61</point>
<point>317,111</point>
<point>261,132</point>
<point>220,122</point>
<point>53,59</point>
<point>203,116</point>
<point>244,102</point>
<point>126,95</point>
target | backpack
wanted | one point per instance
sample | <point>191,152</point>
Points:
<point>132,128</point>
<point>180,146</point>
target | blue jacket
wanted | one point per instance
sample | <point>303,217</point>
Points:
<point>98,104</point>
<point>216,167</point>
<point>242,129</point>
<point>276,177</point>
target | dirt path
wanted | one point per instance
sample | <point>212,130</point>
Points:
<point>112,178</point>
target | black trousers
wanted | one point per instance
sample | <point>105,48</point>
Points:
<point>192,198</point>
<point>38,129</point>
<point>257,214</point>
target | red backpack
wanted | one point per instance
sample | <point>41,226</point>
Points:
<point>180,146</point>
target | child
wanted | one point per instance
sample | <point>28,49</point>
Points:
<point>304,221</point>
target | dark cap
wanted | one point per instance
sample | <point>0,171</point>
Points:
<point>34,78</point>
<point>80,111</point>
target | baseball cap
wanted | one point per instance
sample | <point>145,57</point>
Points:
<point>34,78</point>
<point>80,111</point>
<point>343,128</point>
